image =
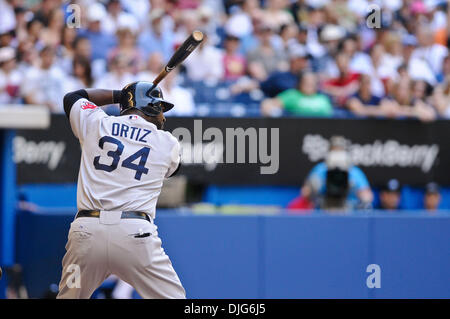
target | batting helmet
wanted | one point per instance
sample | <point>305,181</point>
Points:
<point>144,96</point>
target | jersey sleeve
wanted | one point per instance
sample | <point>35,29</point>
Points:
<point>359,179</point>
<point>175,159</point>
<point>83,114</point>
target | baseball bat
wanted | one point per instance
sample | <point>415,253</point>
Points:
<point>180,55</point>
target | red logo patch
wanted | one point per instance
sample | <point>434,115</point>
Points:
<point>88,105</point>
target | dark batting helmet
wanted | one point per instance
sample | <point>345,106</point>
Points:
<point>144,96</point>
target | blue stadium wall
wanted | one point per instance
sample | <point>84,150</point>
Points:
<point>283,256</point>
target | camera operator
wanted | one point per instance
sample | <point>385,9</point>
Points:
<point>336,184</point>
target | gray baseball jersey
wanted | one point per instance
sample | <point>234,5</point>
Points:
<point>123,164</point>
<point>139,154</point>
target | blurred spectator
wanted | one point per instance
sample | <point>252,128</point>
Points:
<point>304,101</point>
<point>66,49</point>
<point>45,84</point>
<point>407,102</point>
<point>288,35</point>
<point>118,75</point>
<point>126,36</point>
<point>363,102</point>
<point>82,74</point>
<point>102,41</point>
<point>390,195</point>
<point>325,48</point>
<point>10,77</point>
<point>157,39</point>
<point>343,86</point>
<point>265,59</point>
<point>240,21</point>
<point>280,81</point>
<point>335,183</point>
<point>7,21</point>
<point>197,69</point>
<point>22,16</point>
<point>34,29</point>
<point>154,65</point>
<point>276,14</point>
<point>432,53</point>
<point>432,197</point>
<point>441,98</point>
<point>234,63</point>
<point>177,95</point>
<point>116,17</point>
<point>51,35</point>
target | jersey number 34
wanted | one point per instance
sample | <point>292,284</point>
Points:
<point>142,155</point>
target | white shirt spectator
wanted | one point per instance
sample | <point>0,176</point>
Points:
<point>47,86</point>
<point>110,24</point>
<point>114,81</point>
<point>7,17</point>
<point>205,63</point>
<point>433,55</point>
<point>182,99</point>
<point>239,24</point>
<point>418,69</point>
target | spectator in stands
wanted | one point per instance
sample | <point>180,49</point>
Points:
<point>116,17</point>
<point>101,41</point>
<point>432,53</point>
<point>276,14</point>
<point>303,101</point>
<point>119,74</point>
<point>265,59</point>
<point>343,86</point>
<point>10,77</point>
<point>82,73</point>
<point>390,195</point>
<point>432,197</point>
<point>288,36</point>
<point>27,56</point>
<point>280,81</point>
<point>403,103</point>
<point>198,70</point>
<point>324,49</point>
<point>363,102</point>
<point>154,66</point>
<point>126,35</point>
<point>336,183</point>
<point>66,49</point>
<point>22,16</point>
<point>234,63</point>
<point>240,21</point>
<point>155,38</point>
<point>45,83</point>
<point>441,98</point>
<point>177,95</point>
<point>34,29</point>
<point>51,35</point>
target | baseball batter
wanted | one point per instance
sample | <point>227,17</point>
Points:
<point>123,164</point>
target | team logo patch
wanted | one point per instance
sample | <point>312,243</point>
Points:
<point>88,105</point>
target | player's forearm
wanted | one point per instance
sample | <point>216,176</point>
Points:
<point>103,97</point>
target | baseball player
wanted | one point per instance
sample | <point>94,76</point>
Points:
<point>123,164</point>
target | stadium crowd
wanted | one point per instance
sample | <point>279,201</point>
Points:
<point>384,58</point>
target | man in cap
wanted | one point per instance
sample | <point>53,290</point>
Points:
<point>390,195</point>
<point>432,197</point>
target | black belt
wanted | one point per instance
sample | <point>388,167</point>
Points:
<point>125,214</point>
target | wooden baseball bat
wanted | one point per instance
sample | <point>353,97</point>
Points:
<point>180,55</point>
